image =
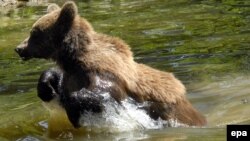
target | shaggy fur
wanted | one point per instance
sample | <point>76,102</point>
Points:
<point>85,57</point>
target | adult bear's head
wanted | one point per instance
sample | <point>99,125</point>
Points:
<point>59,28</point>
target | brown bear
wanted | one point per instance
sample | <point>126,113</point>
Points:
<point>91,63</point>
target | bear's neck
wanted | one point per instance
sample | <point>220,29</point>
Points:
<point>71,50</point>
<point>69,62</point>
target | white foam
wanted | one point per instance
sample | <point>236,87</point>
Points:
<point>116,117</point>
<point>122,117</point>
<point>103,83</point>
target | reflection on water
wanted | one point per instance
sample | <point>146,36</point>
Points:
<point>227,98</point>
<point>204,42</point>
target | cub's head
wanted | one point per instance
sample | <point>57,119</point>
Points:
<point>49,33</point>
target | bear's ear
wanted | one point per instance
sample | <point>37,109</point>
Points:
<point>52,7</point>
<point>66,16</point>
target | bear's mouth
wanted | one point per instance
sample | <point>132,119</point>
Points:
<point>22,54</point>
<point>25,58</point>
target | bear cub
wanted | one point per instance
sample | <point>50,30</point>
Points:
<point>91,63</point>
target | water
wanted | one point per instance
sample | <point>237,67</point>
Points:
<point>204,42</point>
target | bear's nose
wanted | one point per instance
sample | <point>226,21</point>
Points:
<point>18,50</point>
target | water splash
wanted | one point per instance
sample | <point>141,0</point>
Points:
<point>122,117</point>
<point>117,117</point>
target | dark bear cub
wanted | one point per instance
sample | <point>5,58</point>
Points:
<point>50,87</point>
<point>92,63</point>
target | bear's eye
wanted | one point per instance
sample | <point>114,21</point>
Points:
<point>35,32</point>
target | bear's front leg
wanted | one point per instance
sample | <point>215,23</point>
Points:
<point>81,102</point>
<point>48,84</point>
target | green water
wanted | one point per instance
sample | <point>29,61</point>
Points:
<point>205,43</point>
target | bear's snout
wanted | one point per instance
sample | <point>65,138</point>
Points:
<point>22,53</point>
<point>19,50</point>
<point>22,50</point>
